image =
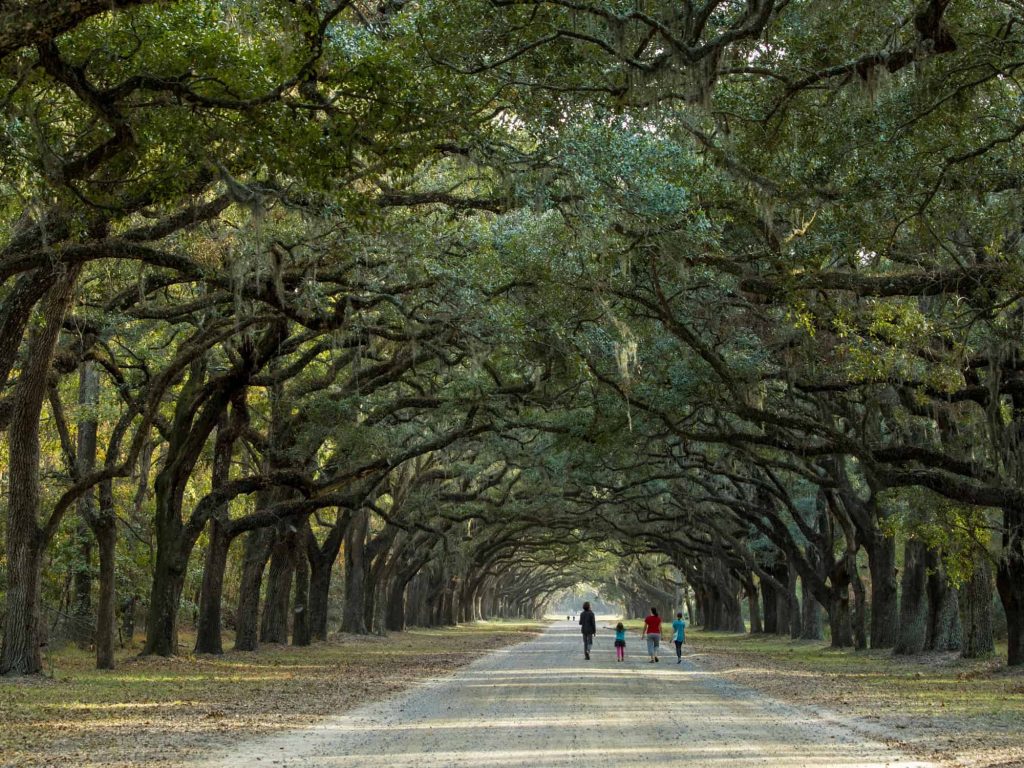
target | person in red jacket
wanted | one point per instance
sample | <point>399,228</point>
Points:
<point>652,631</point>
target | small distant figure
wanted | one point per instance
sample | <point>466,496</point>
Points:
<point>652,631</point>
<point>567,618</point>
<point>679,636</point>
<point>620,642</point>
<point>588,626</point>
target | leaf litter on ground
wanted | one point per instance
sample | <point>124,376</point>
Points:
<point>967,713</point>
<point>154,712</point>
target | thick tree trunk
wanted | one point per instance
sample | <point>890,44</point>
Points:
<point>258,544</point>
<point>724,611</point>
<point>274,621</point>
<point>885,612</point>
<point>321,567</point>
<point>301,629</point>
<point>164,599</point>
<point>189,433</point>
<point>756,627</point>
<point>1010,583</point>
<point>378,574</point>
<point>25,540</point>
<point>105,530</point>
<point>171,564</point>
<point>839,620</point>
<point>771,604</point>
<point>395,617</point>
<point>976,611</point>
<point>777,602</point>
<point>370,595</point>
<point>913,633</point>
<point>860,604</point>
<point>810,617</point>
<point>793,607</point>
<point>414,608</point>
<point>172,549</point>
<point>700,604</point>
<point>944,630</point>
<point>211,593</point>
<point>106,631</point>
<point>449,605</point>
<point>22,638</point>
<point>353,618</point>
<point>319,593</point>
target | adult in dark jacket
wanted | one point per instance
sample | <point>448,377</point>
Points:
<point>588,626</point>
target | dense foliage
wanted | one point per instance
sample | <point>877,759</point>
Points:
<point>475,300</point>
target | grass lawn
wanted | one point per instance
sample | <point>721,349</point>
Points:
<point>155,712</point>
<point>966,712</point>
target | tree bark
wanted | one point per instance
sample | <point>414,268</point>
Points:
<point>211,592</point>
<point>771,604</point>
<point>810,606</point>
<point>885,615</point>
<point>105,529</point>
<point>199,408</point>
<point>914,600</point>
<point>793,606</point>
<point>1010,583</point>
<point>208,628</point>
<point>944,630</point>
<point>353,616</point>
<point>376,559</point>
<point>25,539</point>
<point>321,568</point>
<point>810,617</point>
<point>301,630</point>
<point>164,599</point>
<point>274,622</point>
<point>319,593</point>
<point>860,603</point>
<point>976,611</point>
<point>839,620</point>
<point>258,544</point>
<point>172,550</point>
<point>756,627</point>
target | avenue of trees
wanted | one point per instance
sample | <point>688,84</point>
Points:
<point>323,315</point>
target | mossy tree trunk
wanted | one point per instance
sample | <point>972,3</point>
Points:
<point>944,630</point>
<point>976,611</point>
<point>913,634</point>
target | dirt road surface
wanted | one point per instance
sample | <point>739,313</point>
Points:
<point>541,704</point>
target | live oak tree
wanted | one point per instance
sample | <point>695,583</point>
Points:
<point>473,301</point>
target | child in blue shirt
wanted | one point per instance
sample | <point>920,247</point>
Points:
<point>679,628</point>
<point>620,642</point>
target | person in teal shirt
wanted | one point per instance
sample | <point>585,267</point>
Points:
<point>679,628</point>
<point>620,642</point>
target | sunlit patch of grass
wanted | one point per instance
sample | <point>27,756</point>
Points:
<point>153,711</point>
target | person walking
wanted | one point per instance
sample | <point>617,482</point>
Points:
<point>620,642</point>
<point>652,631</point>
<point>588,626</point>
<point>679,636</point>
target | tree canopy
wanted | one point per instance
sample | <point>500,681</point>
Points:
<point>476,300</point>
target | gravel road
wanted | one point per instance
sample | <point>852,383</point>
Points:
<point>541,704</point>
